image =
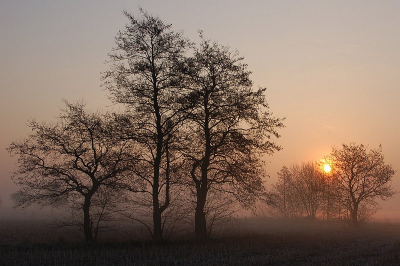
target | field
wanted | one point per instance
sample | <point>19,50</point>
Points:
<point>245,242</point>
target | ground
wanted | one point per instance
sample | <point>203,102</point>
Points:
<point>281,243</point>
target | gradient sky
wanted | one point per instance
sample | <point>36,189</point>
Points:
<point>332,68</point>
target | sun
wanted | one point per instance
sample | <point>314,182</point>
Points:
<point>327,168</point>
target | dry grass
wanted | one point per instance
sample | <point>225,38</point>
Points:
<point>279,243</point>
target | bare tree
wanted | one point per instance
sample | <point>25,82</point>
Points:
<point>229,128</point>
<point>69,162</point>
<point>309,185</point>
<point>143,77</point>
<point>361,177</point>
<point>299,191</point>
<point>283,197</point>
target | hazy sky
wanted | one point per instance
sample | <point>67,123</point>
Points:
<point>332,68</point>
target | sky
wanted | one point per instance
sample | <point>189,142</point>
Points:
<point>331,68</point>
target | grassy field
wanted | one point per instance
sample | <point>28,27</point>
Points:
<point>251,242</point>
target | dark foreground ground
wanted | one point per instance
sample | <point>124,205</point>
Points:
<point>278,244</point>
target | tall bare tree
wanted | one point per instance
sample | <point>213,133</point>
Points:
<point>68,162</point>
<point>230,128</point>
<point>361,177</point>
<point>143,77</point>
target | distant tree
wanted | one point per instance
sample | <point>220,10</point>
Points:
<point>229,129</point>
<point>361,177</point>
<point>283,198</point>
<point>331,207</point>
<point>70,162</point>
<point>310,185</point>
<point>299,191</point>
<point>144,78</point>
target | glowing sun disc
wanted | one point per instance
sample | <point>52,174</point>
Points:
<point>327,168</point>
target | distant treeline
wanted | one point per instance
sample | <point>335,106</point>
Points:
<point>344,186</point>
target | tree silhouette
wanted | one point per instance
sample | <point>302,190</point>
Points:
<point>229,128</point>
<point>299,191</point>
<point>143,77</point>
<point>361,177</point>
<point>68,162</point>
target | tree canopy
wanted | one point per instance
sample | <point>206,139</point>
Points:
<point>144,77</point>
<point>229,128</point>
<point>69,161</point>
<point>361,177</point>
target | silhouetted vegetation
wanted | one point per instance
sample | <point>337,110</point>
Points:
<point>191,137</point>
<point>229,128</point>
<point>299,192</point>
<point>144,77</point>
<point>349,191</point>
<point>72,162</point>
<point>360,177</point>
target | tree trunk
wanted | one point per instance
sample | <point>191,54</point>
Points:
<point>157,221</point>
<point>200,216</point>
<point>200,223</point>
<point>87,227</point>
<point>354,215</point>
<point>157,225</point>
